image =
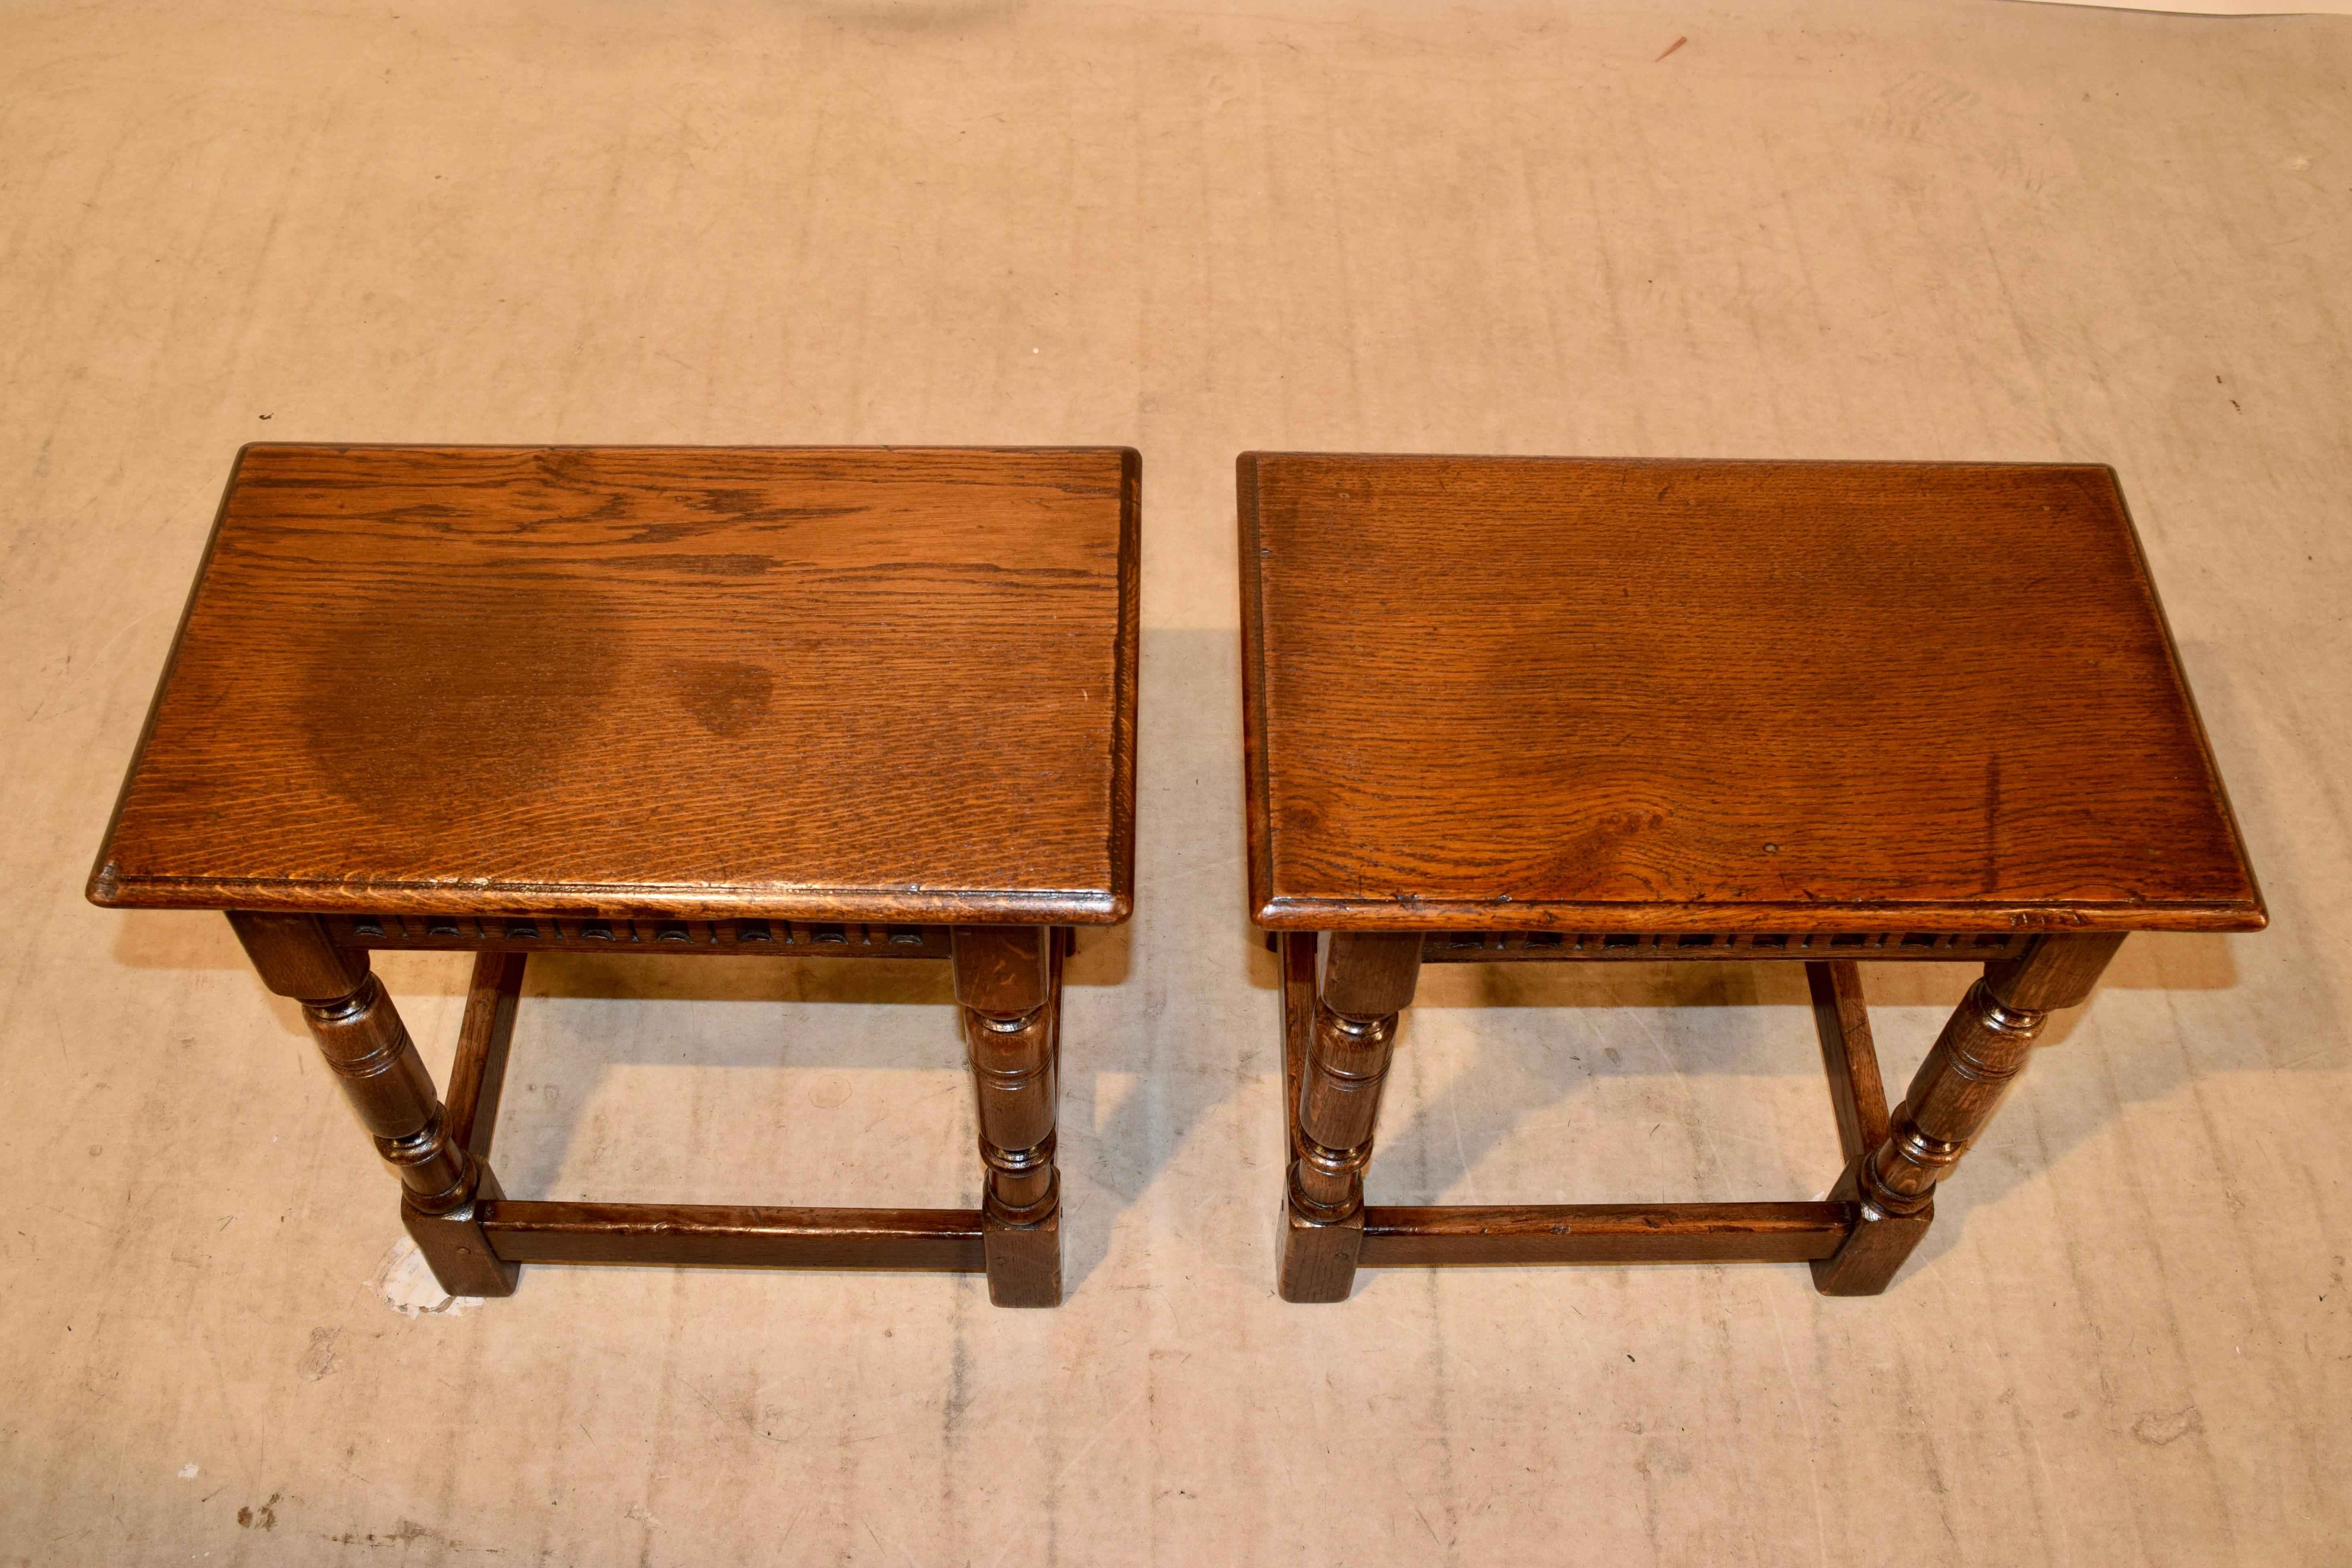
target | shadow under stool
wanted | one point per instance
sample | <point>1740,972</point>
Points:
<point>1513,711</point>
<point>829,702</point>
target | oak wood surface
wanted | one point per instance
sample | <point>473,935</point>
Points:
<point>1316,1259</point>
<point>1453,1235</point>
<point>477,1070</point>
<point>541,932</point>
<point>1849,1055</point>
<point>1008,985</point>
<point>1615,696</point>
<point>1687,946</point>
<point>1983,1047</point>
<point>826,684</point>
<point>741,1235</point>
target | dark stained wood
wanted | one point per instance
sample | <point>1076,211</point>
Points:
<point>1295,949</point>
<point>1531,710</point>
<point>1522,694</point>
<point>1367,979</point>
<point>1348,1055</point>
<point>1879,1246</point>
<point>1647,947</point>
<point>294,958</point>
<point>359,1033</point>
<point>1972,1065</point>
<point>2055,972</point>
<point>545,933</point>
<point>1008,982</point>
<point>872,685</point>
<point>1842,1020</point>
<point>1959,1086</point>
<point>1370,974</point>
<point>477,1073</point>
<point>1316,1258</point>
<point>1603,1233</point>
<point>946,1240</point>
<point>454,1246</point>
<point>1003,973</point>
<point>864,703</point>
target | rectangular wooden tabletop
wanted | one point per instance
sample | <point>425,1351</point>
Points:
<point>854,684</point>
<point>1604,695</point>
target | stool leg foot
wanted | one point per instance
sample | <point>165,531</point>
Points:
<point>366,1046</point>
<point>1317,1262</point>
<point>460,1256</point>
<point>1877,1246</point>
<point>1008,981</point>
<point>1024,1261</point>
<point>1975,1060</point>
<point>1368,979</point>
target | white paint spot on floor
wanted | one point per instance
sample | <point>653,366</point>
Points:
<point>406,1284</point>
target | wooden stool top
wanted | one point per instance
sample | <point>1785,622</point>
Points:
<point>1521,694</point>
<point>830,684</point>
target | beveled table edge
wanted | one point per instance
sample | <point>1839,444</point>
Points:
<point>1258,456</point>
<point>1274,912</point>
<point>1512,915</point>
<point>988,906</point>
<point>733,900</point>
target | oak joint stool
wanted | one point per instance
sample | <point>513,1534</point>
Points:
<point>1541,709</point>
<point>829,702</point>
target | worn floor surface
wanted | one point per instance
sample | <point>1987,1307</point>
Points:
<point>1820,229</point>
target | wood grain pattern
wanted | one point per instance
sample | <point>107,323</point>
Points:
<point>1461,1234</point>
<point>541,932</point>
<point>1622,696</point>
<point>1368,978</point>
<point>822,684</point>
<point>1849,1055</point>
<point>1643,947</point>
<point>478,1071</point>
<point>1983,1047</point>
<point>706,1234</point>
<point>1316,1260</point>
<point>1336,1062</point>
<point>360,1034</point>
<point>1008,985</point>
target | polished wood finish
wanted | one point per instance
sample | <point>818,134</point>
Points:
<point>678,1234</point>
<point>1659,946</point>
<point>1522,694</point>
<point>477,1073</point>
<point>1956,1090</point>
<point>1318,1249</point>
<point>1841,1019</point>
<point>702,683</point>
<point>855,703</point>
<point>940,1241</point>
<point>1531,711</point>
<point>1334,1065</point>
<point>1453,1235</point>
<point>366,1046</point>
<point>1367,979</point>
<point>1008,982</point>
<point>543,932</point>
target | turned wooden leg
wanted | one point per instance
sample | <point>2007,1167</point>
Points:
<point>359,1033</point>
<point>1981,1049</point>
<point>1368,979</point>
<point>1008,981</point>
